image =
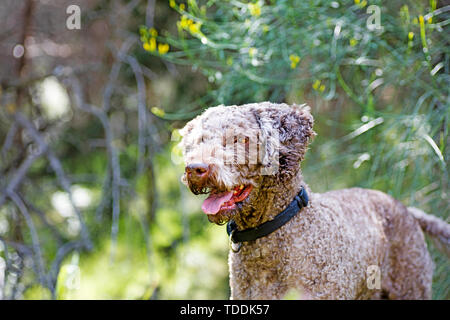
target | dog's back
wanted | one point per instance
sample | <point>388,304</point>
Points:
<point>393,238</point>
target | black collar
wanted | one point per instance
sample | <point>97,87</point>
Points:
<point>236,236</point>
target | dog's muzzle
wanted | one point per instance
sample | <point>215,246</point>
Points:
<point>197,177</point>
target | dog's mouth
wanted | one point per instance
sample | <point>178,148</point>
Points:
<point>222,201</point>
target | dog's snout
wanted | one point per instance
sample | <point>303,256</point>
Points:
<point>197,171</point>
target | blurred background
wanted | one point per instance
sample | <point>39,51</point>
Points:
<point>92,93</point>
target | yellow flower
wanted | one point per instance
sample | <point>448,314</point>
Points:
<point>266,28</point>
<point>422,33</point>
<point>194,28</point>
<point>252,51</point>
<point>255,9</point>
<point>295,59</point>
<point>153,32</point>
<point>185,22</point>
<point>182,6</point>
<point>430,20</point>
<point>172,3</point>
<point>421,20</point>
<point>360,4</point>
<point>150,46</point>
<point>316,84</point>
<point>353,42</point>
<point>163,48</point>
<point>410,36</point>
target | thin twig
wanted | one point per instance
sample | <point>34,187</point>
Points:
<point>59,237</point>
<point>19,174</point>
<point>38,260</point>
<point>9,139</point>
<point>19,247</point>
<point>58,169</point>
<point>62,252</point>
<point>150,13</point>
<point>142,113</point>
<point>112,152</point>
<point>113,75</point>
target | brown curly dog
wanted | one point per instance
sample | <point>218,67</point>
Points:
<point>345,244</point>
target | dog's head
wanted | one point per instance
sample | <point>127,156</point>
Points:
<point>233,152</point>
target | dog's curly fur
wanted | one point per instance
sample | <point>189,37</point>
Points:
<point>327,249</point>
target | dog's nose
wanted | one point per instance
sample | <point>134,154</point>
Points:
<point>197,172</point>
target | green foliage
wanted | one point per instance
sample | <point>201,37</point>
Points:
<point>253,55</point>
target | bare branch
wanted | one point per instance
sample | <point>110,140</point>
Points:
<point>63,251</point>
<point>57,168</point>
<point>37,254</point>
<point>9,139</point>
<point>150,13</point>
<point>59,237</point>
<point>20,247</point>
<point>112,152</point>
<point>142,113</point>
<point>109,88</point>
<point>20,173</point>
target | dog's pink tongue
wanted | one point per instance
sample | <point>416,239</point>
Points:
<point>212,204</point>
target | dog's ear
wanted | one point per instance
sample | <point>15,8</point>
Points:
<point>291,127</point>
<point>295,133</point>
<point>296,127</point>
